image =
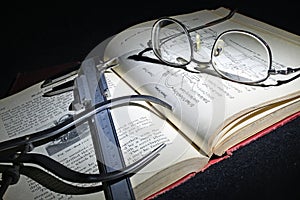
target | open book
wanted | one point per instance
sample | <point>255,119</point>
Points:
<point>213,114</point>
<point>210,115</point>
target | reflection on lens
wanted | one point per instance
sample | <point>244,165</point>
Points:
<point>241,56</point>
<point>171,43</point>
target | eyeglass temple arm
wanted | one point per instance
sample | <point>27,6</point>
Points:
<point>11,173</point>
<point>70,175</point>
<point>288,70</point>
<point>217,21</point>
<point>9,149</point>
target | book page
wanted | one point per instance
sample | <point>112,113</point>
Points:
<point>28,111</point>
<point>251,123</point>
<point>204,102</point>
<point>138,129</point>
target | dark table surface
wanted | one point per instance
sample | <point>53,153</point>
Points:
<point>50,33</point>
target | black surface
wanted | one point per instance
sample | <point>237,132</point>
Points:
<point>43,34</point>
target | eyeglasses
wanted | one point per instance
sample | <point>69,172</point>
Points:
<point>236,55</point>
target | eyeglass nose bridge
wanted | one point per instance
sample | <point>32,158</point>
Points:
<point>197,43</point>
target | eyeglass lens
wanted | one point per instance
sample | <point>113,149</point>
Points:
<point>241,56</point>
<point>171,42</point>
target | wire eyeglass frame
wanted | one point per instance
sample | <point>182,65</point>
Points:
<point>270,71</point>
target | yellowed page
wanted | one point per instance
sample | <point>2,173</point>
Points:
<point>139,132</point>
<point>253,123</point>
<point>27,111</point>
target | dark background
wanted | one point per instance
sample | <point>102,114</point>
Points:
<point>47,33</point>
<point>42,34</point>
